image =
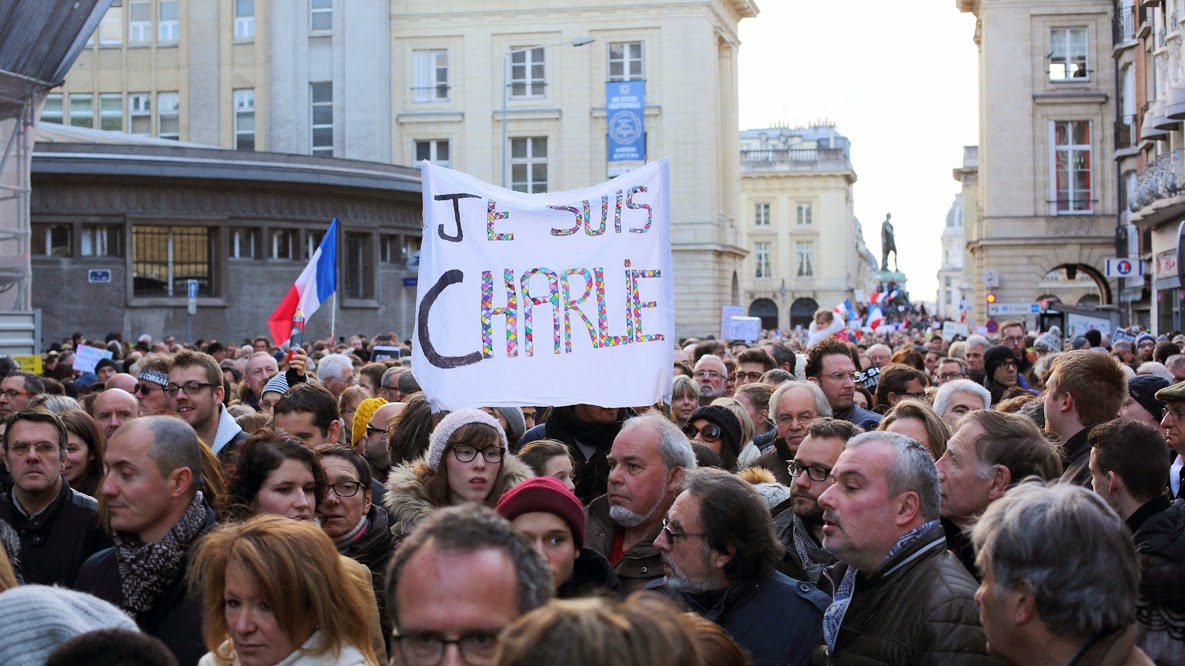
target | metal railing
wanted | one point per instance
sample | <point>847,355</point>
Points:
<point>1125,132</point>
<point>1126,22</point>
<point>1163,178</point>
<point>795,156</point>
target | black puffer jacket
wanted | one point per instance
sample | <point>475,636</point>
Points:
<point>917,608</point>
<point>374,548</point>
<point>56,542</point>
<point>592,576</point>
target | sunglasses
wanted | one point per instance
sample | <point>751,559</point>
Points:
<point>711,432</point>
<point>146,388</point>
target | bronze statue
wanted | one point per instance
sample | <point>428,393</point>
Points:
<point>888,244</point>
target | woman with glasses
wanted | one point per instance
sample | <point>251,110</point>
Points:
<point>83,467</point>
<point>265,600</point>
<point>357,526</point>
<point>720,430</point>
<point>467,461</point>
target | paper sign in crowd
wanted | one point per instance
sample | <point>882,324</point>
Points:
<point>545,299</point>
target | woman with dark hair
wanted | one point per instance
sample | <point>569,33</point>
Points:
<point>467,461</point>
<point>276,474</point>
<point>410,430</point>
<point>83,467</point>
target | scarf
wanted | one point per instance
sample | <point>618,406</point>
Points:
<point>833,616</point>
<point>812,557</point>
<point>357,532</point>
<point>145,570</point>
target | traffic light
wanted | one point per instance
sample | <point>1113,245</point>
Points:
<point>991,298</point>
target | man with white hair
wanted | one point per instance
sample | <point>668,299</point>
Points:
<point>879,355</point>
<point>900,596</point>
<point>973,354</point>
<point>336,372</point>
<point>647,463</point>
<point>711,375</point>
<point>955,399</point>
<point>1047,599</point>
<point>792,408</point>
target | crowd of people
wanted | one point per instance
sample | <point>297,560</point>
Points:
<point>899,499</point>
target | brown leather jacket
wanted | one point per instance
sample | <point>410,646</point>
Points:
<point>639,565</point>
<point>917,608</point>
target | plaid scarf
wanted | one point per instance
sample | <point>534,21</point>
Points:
<point>833,616</point>
<point>146,569</point>
<point>813,558</point>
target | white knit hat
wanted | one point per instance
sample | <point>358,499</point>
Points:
<point>449,425</point>
<point>38,618</point>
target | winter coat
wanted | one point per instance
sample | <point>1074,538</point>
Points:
<point>347,656</point>
<point>56,542</point>
<point>592,576</point>
<point>591,475</point>
<point>1116,649</point>
<point>639,565</point>
<point>861,417</point>
<point>774,459</point>
<point>776,619</point>
<point>373,549</point>
<point>177,618</point>
<point>1160,610</point>
<point>1076,459</point>
<point>917,608</point>
<point>407,501</point>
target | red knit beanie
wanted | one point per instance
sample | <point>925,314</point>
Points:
<point>549,495</point>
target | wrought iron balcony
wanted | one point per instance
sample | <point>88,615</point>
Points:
<point>1126,22</point>
<point>1163,178</point>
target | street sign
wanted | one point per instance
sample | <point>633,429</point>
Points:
<point>411,281</point>
<point>992,326</point>
<point>991,279</point>
<point>1120,267</point>
<point>98,275</point>
<point>192,287</point>
<point>1014,309</point>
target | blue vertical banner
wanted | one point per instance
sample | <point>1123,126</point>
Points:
<point>623,105</point>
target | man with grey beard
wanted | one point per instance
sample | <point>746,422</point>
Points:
<point>646,467</point>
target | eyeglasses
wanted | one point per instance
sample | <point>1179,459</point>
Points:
<point>12,393</point>
<point>672,534</point>
<point>841,376</point>
<point>428,650</point>
<point>815,473</point>
<point>146,388</point>
<point>42,448</point>
<point>707,374</point>
<point>490,454</point>
<point>391,388</point>
<point>1177,414</point>
<point>345,488</point>
<point>711,432</point>
<point>805,418</point>
<point>190,388</point>
<point>370,430</point>
<point>1008,364</point>
<point>948,376</point>
<point>1014,340</point>
<point>747,377</point>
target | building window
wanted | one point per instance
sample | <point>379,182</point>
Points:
<point>359,266</point>
<point>761,214</point>
<point>435,151</point>
<point>168,22</point>
<point>804,214</point>
<point>168,115</point>
<point>82,110</point>
<point>430,75</point>
<point>50,240</point>
<point>244,19</point>
<point>528,164</point>
<point>54,110</point>
<point>245,119</point>
<point>285,244</point>
<point>139,22</point>
<point>320,15</point>
<point>321,95</point>
<point>625,61</point>
<point>140,113</point>
<point>111,112</point>
<point>527,74</point>
<point>947,281</point>
<point>1071,166</point>
<point>165,258</point>
<point>390,248</point>
<point>761,260</point>
<point>312,240</point>
<point>804,252</point>
<point>244,243</point>
<point>101,240</point>
<point>111,27</point>
<point>1067,54</point>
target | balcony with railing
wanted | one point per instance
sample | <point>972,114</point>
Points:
<point>762,160</point>
<point>1161,188</point>
<point>1127,23</point>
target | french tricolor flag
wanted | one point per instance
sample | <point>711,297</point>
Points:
<point>316,283</point>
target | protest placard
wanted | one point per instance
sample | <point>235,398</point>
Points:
<point>87,357</point>
<point>545,299</point>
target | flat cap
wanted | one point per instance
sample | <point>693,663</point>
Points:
<point>1171,393</point>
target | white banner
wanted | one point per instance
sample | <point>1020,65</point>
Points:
<point>542,299</point>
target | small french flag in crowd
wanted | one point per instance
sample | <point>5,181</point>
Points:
<point>316,284</point>
<point>844,310</point>
<point>875,317</point>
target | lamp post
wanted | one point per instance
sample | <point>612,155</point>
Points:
<point>578,41</point>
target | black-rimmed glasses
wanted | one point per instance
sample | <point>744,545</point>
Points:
<point>428,650</point>
<point>190,388</point>
<point>345,488</point>
<point>710,431</point>
<point>815,473</point>
<point>672,534</point>
<point>491,454</point>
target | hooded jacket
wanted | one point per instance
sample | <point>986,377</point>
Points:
<point>407,501</point>
<point>592,471</point>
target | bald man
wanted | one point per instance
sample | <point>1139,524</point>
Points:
<point>113,408</point>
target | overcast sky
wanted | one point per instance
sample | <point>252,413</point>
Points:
<point>900,79</point>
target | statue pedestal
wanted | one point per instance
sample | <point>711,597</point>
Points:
<point>885,277</point>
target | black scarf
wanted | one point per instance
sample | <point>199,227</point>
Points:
<point>146,569</point>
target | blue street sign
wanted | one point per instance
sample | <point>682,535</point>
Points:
<point>98,275</point>
<point>411,281</point>
<point>623,106</point>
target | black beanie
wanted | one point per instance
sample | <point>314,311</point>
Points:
<point>1143,388</point>
<point>730,425</point>
<point>994,356</point>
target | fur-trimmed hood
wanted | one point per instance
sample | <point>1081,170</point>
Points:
<point>407,500</point>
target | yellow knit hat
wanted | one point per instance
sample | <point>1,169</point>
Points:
<point>366,409</point>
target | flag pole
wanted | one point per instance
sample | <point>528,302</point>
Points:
<point>333,318</point>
